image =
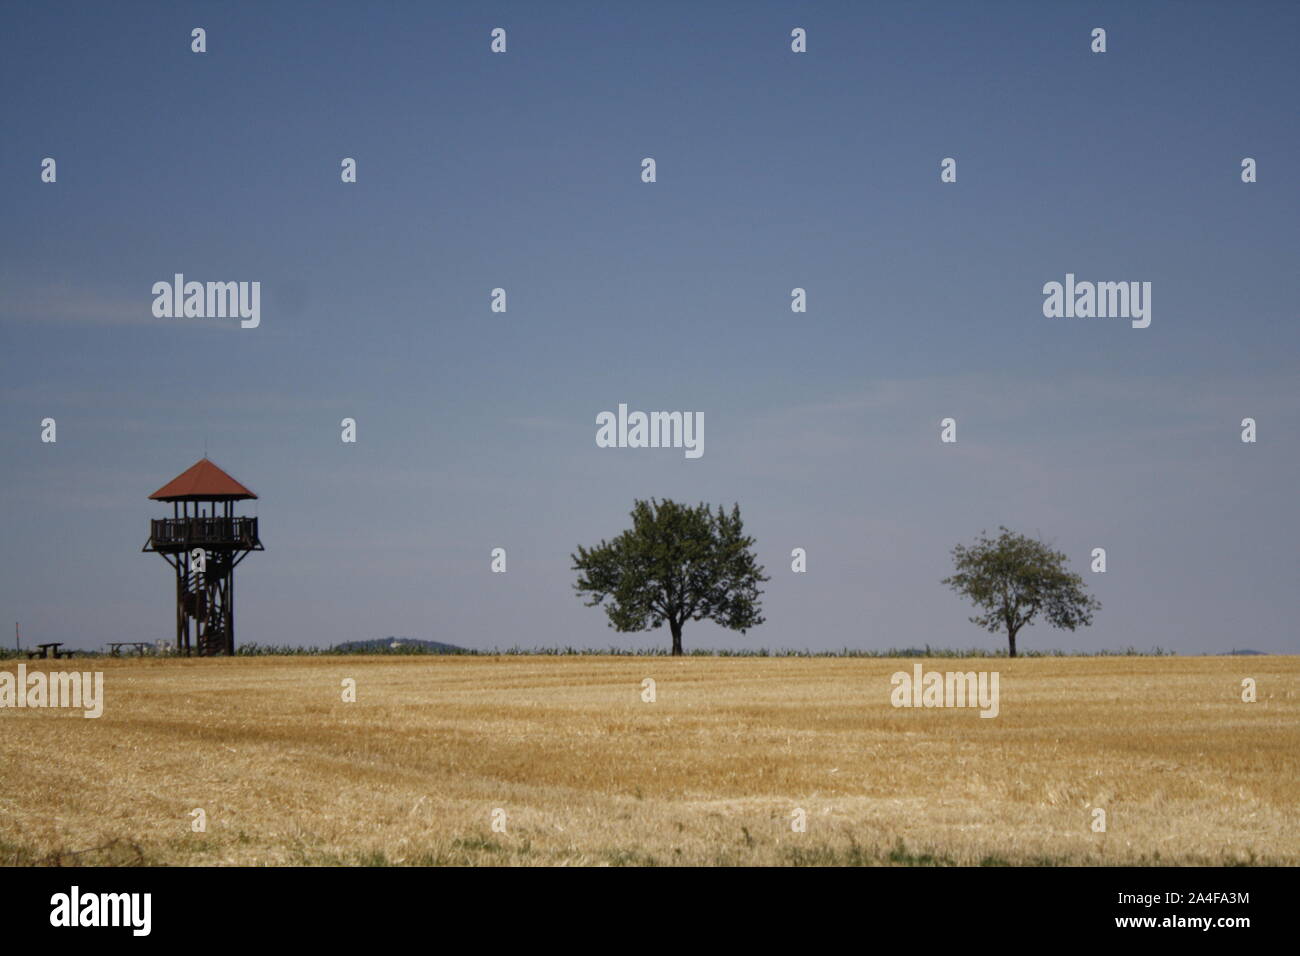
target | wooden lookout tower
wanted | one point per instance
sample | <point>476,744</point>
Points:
<point>203,541</point>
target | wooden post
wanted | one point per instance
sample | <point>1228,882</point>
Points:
<point>230,610</point>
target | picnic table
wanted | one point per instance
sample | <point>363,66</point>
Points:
<point>49,650</point>
<point>115,647</point>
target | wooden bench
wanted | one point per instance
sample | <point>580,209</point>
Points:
<point>115,647</point>
<point>49,650</point>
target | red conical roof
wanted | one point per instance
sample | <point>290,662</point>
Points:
<point>202,481</point>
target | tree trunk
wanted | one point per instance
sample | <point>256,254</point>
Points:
<point>1011,636</point>
<point>677,638</point>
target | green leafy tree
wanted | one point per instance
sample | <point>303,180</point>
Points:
<point>675,564</point>
<point>1014,579</point>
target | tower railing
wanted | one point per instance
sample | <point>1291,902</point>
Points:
<point>187,532</point>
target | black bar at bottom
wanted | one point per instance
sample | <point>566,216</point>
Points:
<point>327,905</point>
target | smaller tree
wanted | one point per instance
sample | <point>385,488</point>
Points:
<point>675,564</point>
<point>1014,578</point>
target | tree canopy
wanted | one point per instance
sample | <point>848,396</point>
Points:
<point>675,564</point>
<point>1014,578</point>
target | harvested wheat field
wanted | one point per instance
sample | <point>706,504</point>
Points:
<point>711,772</point>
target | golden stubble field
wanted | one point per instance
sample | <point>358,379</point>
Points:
<point>710,773</point>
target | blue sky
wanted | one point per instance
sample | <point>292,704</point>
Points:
<point>775,170</point>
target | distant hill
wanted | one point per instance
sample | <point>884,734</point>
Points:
<point>397,645</point>
<point>1246,653</point>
